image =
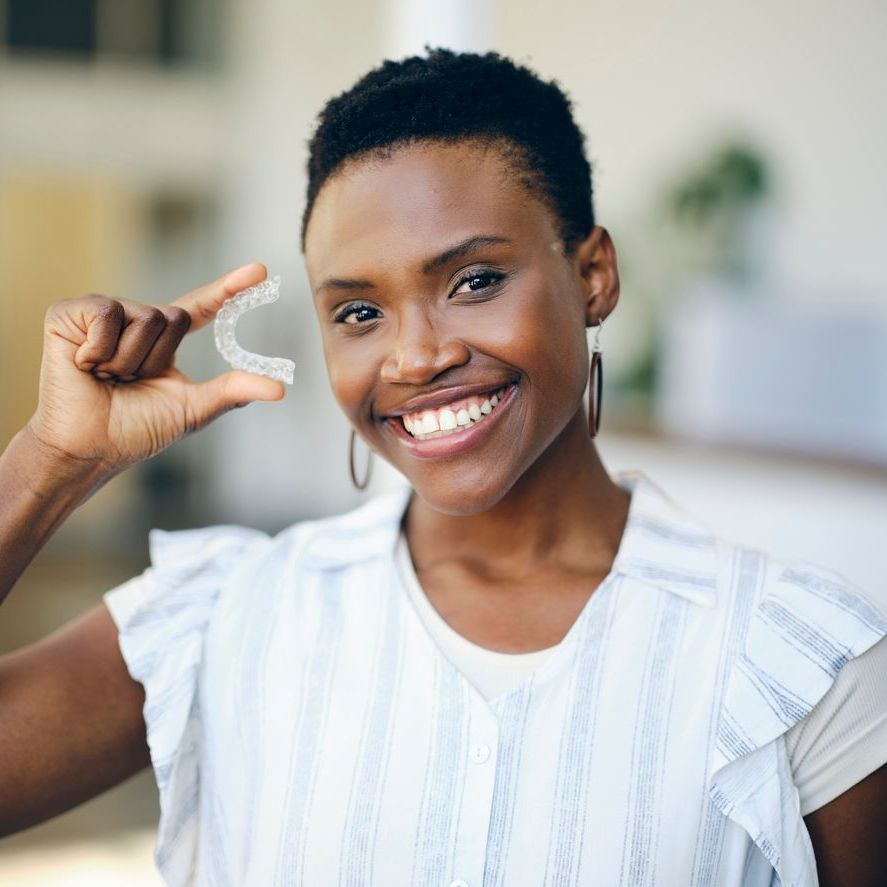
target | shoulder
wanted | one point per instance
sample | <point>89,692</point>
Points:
<point>363,533</point>
<point>186,572</point>
<point>789,625</point>
<point>791,604</point>
<point>329,541</point>
<point>796,624</point>
<point>798,610</point>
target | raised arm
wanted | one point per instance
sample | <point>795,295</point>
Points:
<point>110,396</point>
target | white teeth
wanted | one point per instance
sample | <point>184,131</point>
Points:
<point>447,420</point>
<point>444,421</point>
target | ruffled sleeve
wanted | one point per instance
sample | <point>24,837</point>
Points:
<point>806,624</point>
<point>162,617</point>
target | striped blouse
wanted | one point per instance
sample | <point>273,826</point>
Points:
<point>841,740</point>
<point>306,729</point>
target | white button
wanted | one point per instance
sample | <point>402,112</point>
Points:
<point>458,883</point>
<point>479,753</point>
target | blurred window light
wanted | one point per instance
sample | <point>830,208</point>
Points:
<point>62,25</point>
<point>163,32</point>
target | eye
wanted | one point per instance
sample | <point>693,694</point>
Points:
<point>488,279</point>
<point>352,311</point>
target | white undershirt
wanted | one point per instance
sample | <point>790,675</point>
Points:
<point>492,672</point>
<point>843,739</point>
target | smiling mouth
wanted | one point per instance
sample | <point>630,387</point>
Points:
<point>454,417</point>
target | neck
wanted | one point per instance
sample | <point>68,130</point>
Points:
<point>564,509</point>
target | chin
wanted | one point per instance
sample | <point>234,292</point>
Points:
<point>464,496</point>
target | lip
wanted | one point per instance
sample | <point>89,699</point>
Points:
<point>444,396</point>
<point>458,441</point>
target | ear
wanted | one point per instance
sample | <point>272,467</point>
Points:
<point>598,270</point>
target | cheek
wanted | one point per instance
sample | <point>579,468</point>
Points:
<point>349,378</point>
<point>560,372</point>
<point>542,332</point>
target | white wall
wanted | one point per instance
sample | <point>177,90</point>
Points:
<point>653,82</point>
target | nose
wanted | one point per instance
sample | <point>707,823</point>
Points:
<point>421,351</point>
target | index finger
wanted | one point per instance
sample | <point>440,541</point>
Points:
<point>203,303</point>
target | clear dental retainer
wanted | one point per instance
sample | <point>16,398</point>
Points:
<point>263,293</point>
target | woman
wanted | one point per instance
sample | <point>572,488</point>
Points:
<point>517,670</point>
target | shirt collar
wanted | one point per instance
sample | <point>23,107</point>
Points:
<point>662,545</point>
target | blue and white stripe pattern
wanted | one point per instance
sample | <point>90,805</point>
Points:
<point>306,730</point>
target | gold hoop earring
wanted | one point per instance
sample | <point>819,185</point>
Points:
<point>369,468</point>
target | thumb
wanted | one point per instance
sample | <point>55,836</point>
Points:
<point>210,399</point>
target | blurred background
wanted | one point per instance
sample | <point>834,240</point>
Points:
<point>147,146</point>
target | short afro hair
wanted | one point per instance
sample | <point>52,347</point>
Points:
<point>450,97</point>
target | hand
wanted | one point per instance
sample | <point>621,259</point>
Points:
<point>109,390</point>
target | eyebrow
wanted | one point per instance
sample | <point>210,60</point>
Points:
<point>429,266</point>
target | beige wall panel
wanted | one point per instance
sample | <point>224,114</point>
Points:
<point>59,239</point>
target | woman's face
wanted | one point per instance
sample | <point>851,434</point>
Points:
<point>438,280</point>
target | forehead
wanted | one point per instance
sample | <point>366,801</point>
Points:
<point>422,196</point>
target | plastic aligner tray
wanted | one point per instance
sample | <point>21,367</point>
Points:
<point>232,309</point>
